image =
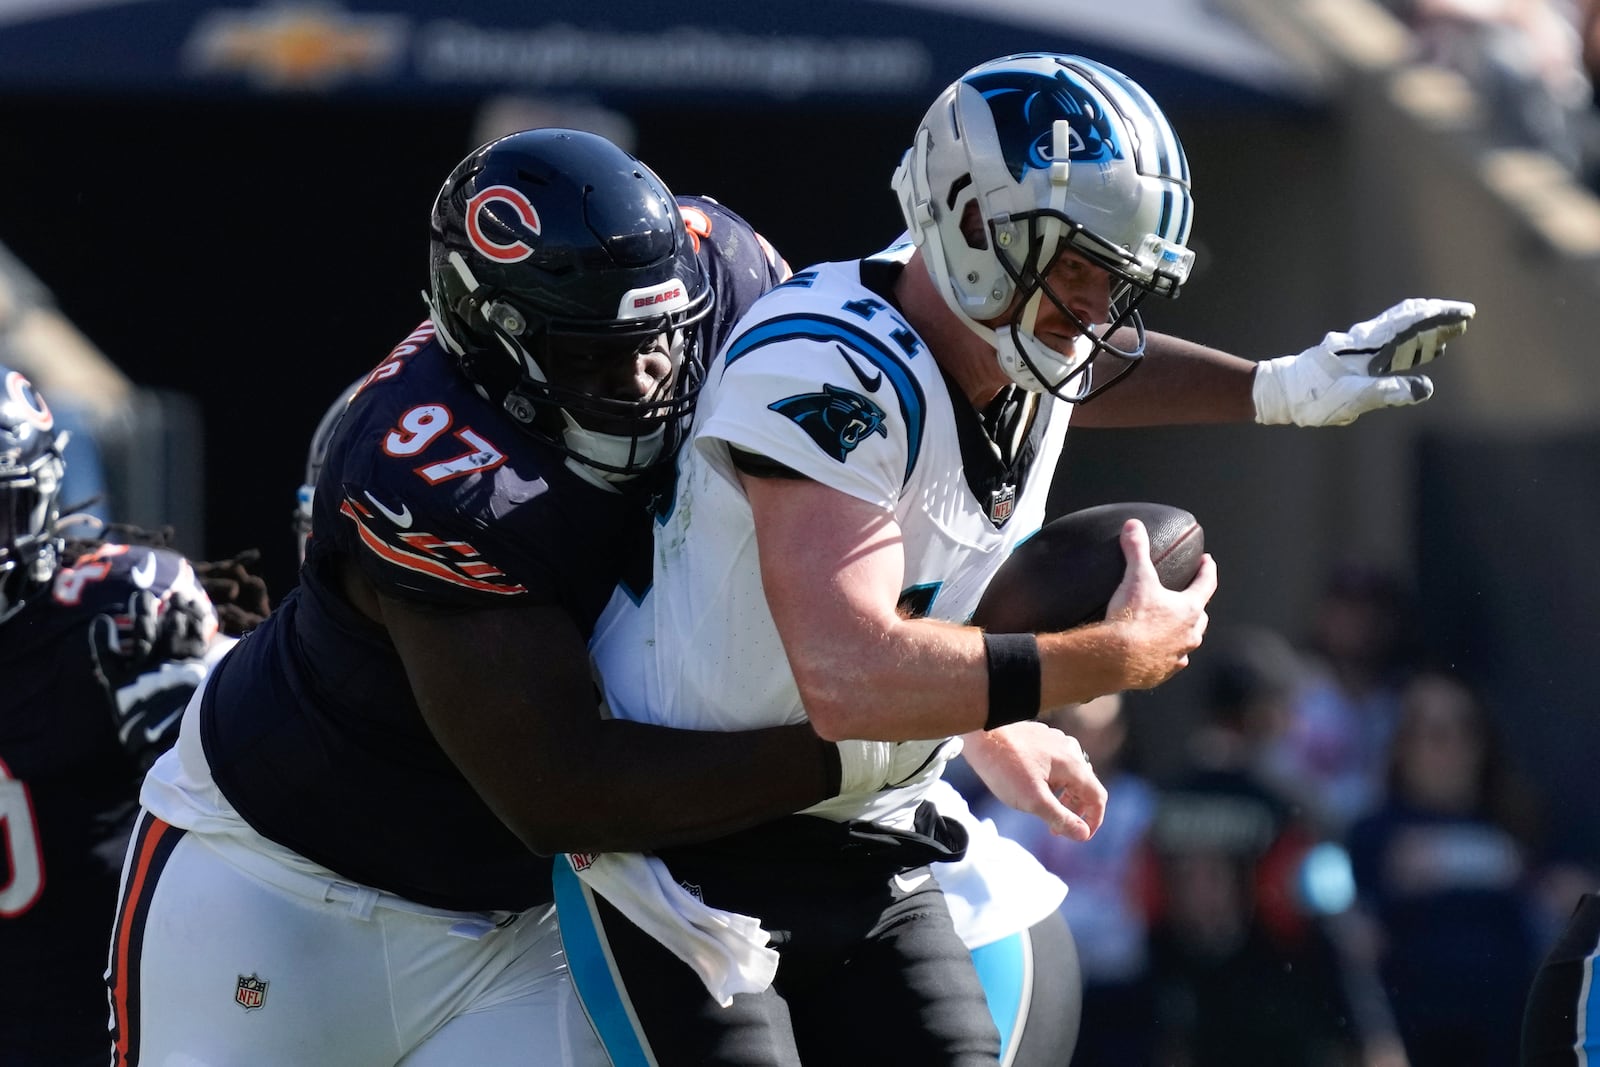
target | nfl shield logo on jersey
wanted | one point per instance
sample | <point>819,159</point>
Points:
<point>1001,503</point>
<point>250,993</point>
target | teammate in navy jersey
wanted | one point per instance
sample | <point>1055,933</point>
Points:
<point>100,649</point>
<point>342,859</point>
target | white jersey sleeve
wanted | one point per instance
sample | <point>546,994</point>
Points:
<point>824,387</point>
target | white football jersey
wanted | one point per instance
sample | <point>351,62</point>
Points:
<point>824,376</point>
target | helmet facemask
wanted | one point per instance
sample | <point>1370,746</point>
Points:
<point>30,548</point>
<point>1032,363</point>
<point>1023,159</point>
<point>558,262</point>
<point>614,439</point>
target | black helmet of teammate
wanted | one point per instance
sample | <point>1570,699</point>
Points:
<point>31,469</point>
<point>553,248</point>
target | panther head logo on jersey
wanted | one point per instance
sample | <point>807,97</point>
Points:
<point>837,419</point>
<point>1026,105</point>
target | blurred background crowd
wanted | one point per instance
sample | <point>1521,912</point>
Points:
<point>1350,831</point>
<point>1341,864</point>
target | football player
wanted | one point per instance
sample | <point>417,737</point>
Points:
<point>101,646</point>
<point>871,443</point>
<point>342,859</point>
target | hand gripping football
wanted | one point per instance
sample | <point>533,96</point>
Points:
<point>1064,575</point>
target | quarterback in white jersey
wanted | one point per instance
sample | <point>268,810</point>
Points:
<point>700,650</point>
<point>872,441</point>
<point>828,380</point>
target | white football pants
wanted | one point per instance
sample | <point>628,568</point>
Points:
<point>221,957</point>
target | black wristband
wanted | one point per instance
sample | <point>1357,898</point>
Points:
<point>1014,683</point>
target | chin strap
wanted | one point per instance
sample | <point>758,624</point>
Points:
<point>610,450</point>
<point>1022,355</point>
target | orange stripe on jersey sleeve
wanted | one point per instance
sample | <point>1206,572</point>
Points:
<point>422,564</point>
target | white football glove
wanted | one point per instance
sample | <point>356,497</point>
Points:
<point>1370,366</point>
<point>871,766</point>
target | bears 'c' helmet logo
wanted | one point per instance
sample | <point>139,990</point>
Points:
<point>23,403</point>
<point>481,210</point>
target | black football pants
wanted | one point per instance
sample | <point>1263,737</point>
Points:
<point>871,970</point>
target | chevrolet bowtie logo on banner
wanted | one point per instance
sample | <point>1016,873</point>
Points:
<point>296,46</point>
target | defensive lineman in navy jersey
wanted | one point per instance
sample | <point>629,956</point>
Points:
<point>100,648</point>
<point>398,495</point>
<point>373,775</point>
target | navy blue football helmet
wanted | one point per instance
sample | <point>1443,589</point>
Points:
<point>31,468</point>
<point>554,245</point>
<point>1049,152</point>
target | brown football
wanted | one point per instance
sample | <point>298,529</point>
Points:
<point>1064,575</point>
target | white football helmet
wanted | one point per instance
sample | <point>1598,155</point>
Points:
<point>1056,152</point>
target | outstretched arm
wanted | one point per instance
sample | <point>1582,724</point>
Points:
<point>1179,382</point>
<point>1374,364</point>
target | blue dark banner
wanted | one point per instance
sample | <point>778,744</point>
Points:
<point>618,52</point>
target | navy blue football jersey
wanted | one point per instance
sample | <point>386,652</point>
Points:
<point>309,725</point>
<point>68,794</point>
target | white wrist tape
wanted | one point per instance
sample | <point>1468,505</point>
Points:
<point>870,766</point>
<point>863,766</point>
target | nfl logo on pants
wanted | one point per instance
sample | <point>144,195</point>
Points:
<point>250,993</point>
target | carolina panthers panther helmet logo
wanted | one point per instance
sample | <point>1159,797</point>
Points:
<point>837,419</point>
<point>1026,105</point>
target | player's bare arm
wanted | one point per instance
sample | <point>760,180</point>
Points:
<point>509,696</point>
<point>1177,382</point>
<point>1374,364</point>
<point>832,566</point>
